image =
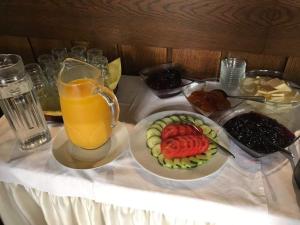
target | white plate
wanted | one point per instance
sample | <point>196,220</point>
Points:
<point>119,143</point>
<point>142,155</point>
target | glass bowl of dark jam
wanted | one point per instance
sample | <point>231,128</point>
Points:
<point>165,80</point>
<point>257,130</point>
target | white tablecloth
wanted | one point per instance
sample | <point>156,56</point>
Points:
<point>40,191</point>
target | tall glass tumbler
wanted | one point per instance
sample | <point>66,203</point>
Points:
<point>50,67</point>
<point>78,52</point>
<point>20,105</point>
<point>59,54</point>
<point>233,70</point>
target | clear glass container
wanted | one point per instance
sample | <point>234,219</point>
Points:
<point>20,104</point>
<point>233,70</point>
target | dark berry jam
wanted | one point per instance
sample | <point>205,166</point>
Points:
<point>258,132</point>
<point>165,79</point>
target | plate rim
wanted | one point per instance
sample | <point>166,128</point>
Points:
<point>226,159</point>
<point>119,150</point>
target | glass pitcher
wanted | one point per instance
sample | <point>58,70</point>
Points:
<point>89,109</point>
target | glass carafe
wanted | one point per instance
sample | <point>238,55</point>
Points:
<point>89,109</point>
<point>20,104</point>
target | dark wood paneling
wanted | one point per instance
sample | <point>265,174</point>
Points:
<point>209,24</point>
<point>292,69</point>
<point>16,45</point>
<point>200,63</point>
<point>136,58</point>
<point>260,61</point>
<point>284,32</point>
<point>42,46</point>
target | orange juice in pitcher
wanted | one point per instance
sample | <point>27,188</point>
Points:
<point>89,109</point>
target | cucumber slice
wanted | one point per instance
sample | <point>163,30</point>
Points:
<point>160,159</point>
<point>186,163</point>
<point>175,119</point>
<point>195,160</point>
<point>212,145</point>
<point>212,134</point>
<point>183,118</point>
<point>167,120</point>
<point>211,151</point>
<point>203,157</point>
<point>169,163</point>
<point>152,141</point>
<point>191,119</point>
<point>206,129</point>
<point>160,123</point>
<point>152,132</point>
<point>177,162</point>
<point>198,122</point>
<point>156,126</point>
<point>156,151</point>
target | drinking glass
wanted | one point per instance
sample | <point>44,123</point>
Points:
<point>94,56</point>
<point>49,66</point>
<point>20,104</point>
<point>59,54</point>
<point>78,52</point>
<point>89,109</point>
<point>37,76</point>
<point>232,72</point>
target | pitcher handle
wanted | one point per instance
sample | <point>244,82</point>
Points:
<point>112,102</point>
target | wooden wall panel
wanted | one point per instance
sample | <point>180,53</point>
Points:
<point>42,46</point>
<point>16,45</point>
<point>207,24</point>
<point>260,61</point>
<point>292,69</point>
<point>200,63</point>
<point>135,58</point>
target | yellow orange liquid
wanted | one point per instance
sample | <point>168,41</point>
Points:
<point>87,116</point>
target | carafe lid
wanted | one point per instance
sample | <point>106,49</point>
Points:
<point>11,68</point>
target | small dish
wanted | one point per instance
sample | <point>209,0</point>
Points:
<point>176,74</point>
<point>119,143</point>
<point>206,86</point>
<point>286,120</point>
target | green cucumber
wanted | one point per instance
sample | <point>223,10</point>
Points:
<point>156,151</point>
<point>156,126</point>
<point>152,141</point>
<point>169,163</point>
<point>152,132</point>
<point>161,123</point>
<point>203,157</point>
<point>186,163</point>
<point>212,134</point>
<point>177,162</point>
<point>167,120</point>
<point>211,151</point>
<point>206,129</point>
<point>160,159</point>
<point>198,122</point>
<point>175,119</point>
<point>183,118</point>
<point>191,119</point>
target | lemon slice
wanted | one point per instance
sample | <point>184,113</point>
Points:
<point>115,72</point>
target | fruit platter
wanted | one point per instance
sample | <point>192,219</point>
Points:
<point>177,145</point>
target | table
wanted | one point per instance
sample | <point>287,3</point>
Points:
<point>35,189</point>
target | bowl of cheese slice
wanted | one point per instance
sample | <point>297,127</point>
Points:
<point>276,90</point>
